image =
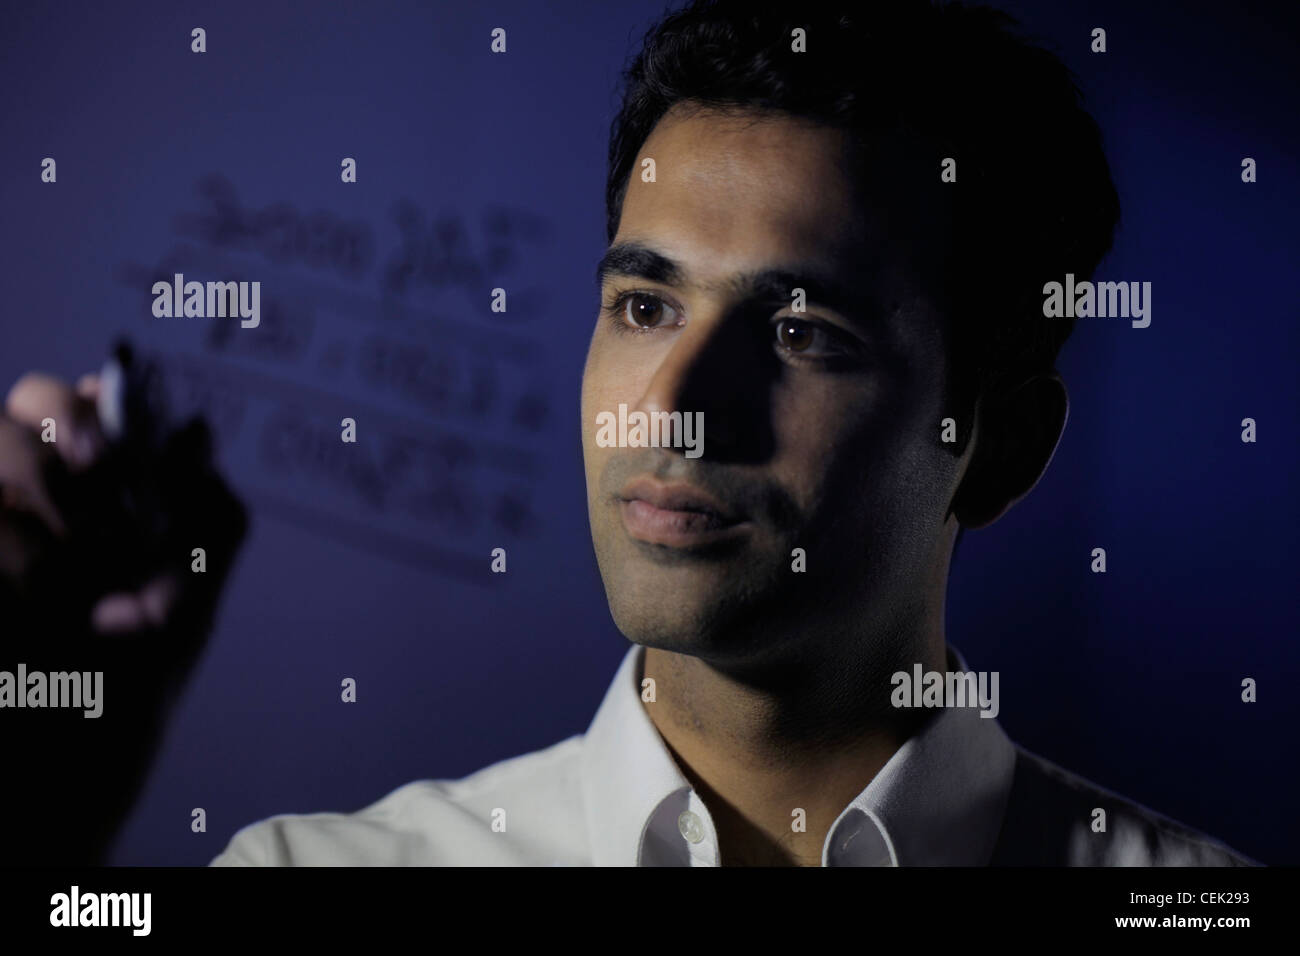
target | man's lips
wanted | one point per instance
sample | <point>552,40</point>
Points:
<point>676,515</point>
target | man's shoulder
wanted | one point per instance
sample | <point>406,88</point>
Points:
<point>1057,818</point>
<point>522,810</point>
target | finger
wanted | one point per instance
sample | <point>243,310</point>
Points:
<point>118,614</point>
<point>37,398</point>
<point>22,467</point>
<point>157,598</point>
<point>88,386</point>
<point>150,607</point>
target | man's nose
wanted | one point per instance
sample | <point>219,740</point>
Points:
<point>715,366</point>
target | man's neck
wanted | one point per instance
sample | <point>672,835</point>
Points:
<point>756,758</point>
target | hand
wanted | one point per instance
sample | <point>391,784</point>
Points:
<point>97,574</point>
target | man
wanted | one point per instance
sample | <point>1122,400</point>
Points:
<point>828,236</point>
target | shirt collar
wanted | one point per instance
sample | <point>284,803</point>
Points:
<point>939,800</point>
<point>628,772</point>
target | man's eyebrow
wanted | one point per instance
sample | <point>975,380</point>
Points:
<point>820,285</point>
<point>637,261</point>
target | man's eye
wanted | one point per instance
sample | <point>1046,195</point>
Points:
<point>641,310</point>
<point>803,338</point>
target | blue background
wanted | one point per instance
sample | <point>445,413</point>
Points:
<point>478,170</point>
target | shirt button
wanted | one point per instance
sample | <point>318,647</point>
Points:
<point>692,826</point>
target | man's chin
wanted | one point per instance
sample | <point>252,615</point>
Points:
<point>699,626</point>
<point>711,608</point>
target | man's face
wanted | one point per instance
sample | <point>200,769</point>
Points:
<point>821,427</point>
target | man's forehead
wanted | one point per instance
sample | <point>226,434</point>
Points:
<point>731,187</point>
<point>740,191</point>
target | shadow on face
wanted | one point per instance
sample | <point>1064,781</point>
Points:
<point>752,287</point>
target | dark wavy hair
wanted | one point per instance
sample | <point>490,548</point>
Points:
<point>1033,200</point>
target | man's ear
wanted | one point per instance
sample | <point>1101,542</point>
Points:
<point>1017,434</point>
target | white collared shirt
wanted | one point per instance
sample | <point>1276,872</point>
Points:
<point>957,793</point>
